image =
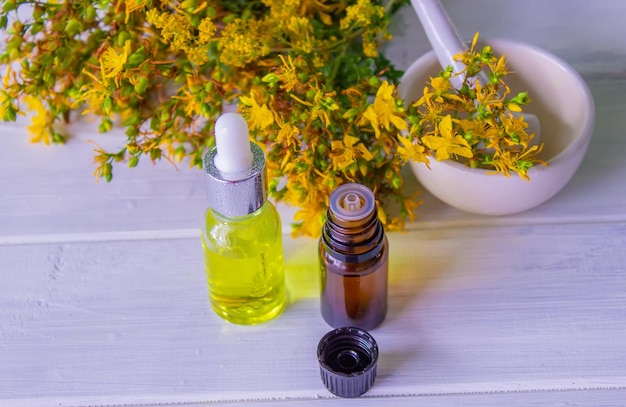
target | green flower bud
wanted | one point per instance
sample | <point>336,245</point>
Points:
<point>9,5</point>
<point>107,172</point>
<point>205,109</point>
<point>58,138</point>
<point>105,125</point>
<point>188,5</point>
<point>142,85</point>
<point>131,131</point>
<point>107,104</point>
<point>16,28</point>
<point>132,148</point>
<point>270,79</point>
<point>136,58</point>
<point>38,12</point>
<point>520,99</point>
<point>73,27</point>
<point>155,154</point>
<point>10,114</point>
<point>90,14</point>
<point>155,123</point>
<point>396,181</point>
<point>36,28</point>
<point>122,36</point>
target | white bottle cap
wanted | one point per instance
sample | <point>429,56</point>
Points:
<point>352,202</point>
<point>232,144</point>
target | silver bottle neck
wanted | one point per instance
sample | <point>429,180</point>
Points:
<point>236,194</point>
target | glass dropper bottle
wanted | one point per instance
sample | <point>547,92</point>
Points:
<point>242,234</point>
<point>353,254</point>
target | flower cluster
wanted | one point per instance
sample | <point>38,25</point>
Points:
<point>479,124</point>
<point>306,74</point>
<point>301,70</point>
<point>318,138</point>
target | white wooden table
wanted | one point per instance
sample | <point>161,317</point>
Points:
<point>103,299</point>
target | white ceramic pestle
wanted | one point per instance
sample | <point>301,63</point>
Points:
<point>446,43</point>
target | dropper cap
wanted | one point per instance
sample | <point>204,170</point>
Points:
<point>235,167</point>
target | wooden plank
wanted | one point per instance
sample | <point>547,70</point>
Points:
<point>555,26</point>
<point>570,398</point>
<point>516,309</point>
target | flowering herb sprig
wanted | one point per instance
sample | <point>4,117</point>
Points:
<point>166,69</point>
<point>307,75</point>
<point>479,124</point>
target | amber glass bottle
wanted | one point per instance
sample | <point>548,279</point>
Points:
<point>353,253</point>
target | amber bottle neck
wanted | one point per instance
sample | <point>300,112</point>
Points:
<point>353,241</point>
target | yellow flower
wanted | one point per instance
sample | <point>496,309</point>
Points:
<point>190,102</point>
<point>361,14</point>
<point>409,151</point>
<point>310,220</point>
<point>243,41</point>
<point>370,49</point>
<point>301,33</point>
<point>346,152</point>
<point>507,161</point>
<point>500,68</point>
<point>39,127</point>
<point>112,63</point>
<point>448,143</point>
<point>325,11</point>
<point>288,74</point>
<point>386,109</point>
<point>4,98</point>
<point>207,29</point>
<point>94,95</point>
<point>384,112</point>
<point>288,135</point>
<point>516,126</point>
<point>132,6</point>
<point>440,85</point>
<point>259,116</point>
<point>175,29</point>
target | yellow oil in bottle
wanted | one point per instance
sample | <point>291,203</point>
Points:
<point>244,265</point>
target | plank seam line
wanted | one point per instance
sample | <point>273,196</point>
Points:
<point>122,236</point>
<point>386,396</point>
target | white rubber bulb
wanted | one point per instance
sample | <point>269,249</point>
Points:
<point>232,144</point>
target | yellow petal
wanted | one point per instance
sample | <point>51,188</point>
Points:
<point>365,152</point>
<point>433,142</point>
<point>514,107</point>
<point>398,122</point>
<point>349,141</point>
<point>445,126</point>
